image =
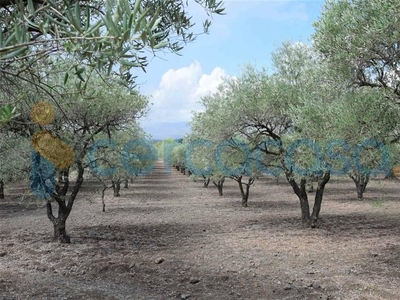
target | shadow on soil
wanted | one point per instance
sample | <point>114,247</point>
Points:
<point>148,239</point>
<point>363,225</point>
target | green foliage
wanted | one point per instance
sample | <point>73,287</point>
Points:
<point>81,114</point>
<point>7,113</point>
<point>128,158</point>
<point>82,37</point>
<point>303,99</point>
<point>379,202</point>
<point>178,156</point>
<point>160,148</point>
<point>95,34</point>
<point>15,162</point>
<point>361,40</point>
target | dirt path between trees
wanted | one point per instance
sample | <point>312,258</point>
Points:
<point>167,237</point>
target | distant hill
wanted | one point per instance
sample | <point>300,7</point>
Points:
<point>162,131</point>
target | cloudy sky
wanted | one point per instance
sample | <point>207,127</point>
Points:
<point>248,33</point>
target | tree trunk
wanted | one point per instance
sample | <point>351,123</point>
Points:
<point>60,233</point>
<point>244,191</point>
<point>301,193</point>
<point>206,181</point>
<point>64,204</point>
<point>116,187</point>
<point>62,184</point>
<point>60,179</point>
<point>1,189</point>
<point>220,184</point>
<point>103,202</point>
<point>305,210</point>
<point>361,181</point>
<point>245,197</point>
<point>220,188</point>
<point>318,198</point>
<point>126,183</point>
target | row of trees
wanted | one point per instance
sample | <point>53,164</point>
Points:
<point>340,99</point>
<point>257,120</point>
<point>79,56</point>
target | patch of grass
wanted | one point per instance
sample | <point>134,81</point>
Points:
<point>382,199</point>
<point>379,202</point>
<point>193,178</point>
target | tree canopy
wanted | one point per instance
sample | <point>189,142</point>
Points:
<point>361,39</point>
<point>82,37</point>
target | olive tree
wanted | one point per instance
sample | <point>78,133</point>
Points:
<point>78,55</point>
<point>231,154</point>
<point>118,156</point>
<point>15,164</point>
<point>79,118</point>
<point>260,109</point>
<point>366,120</point>
<point>106,36</point>
<point>361,39</point>
<point>199,160</point>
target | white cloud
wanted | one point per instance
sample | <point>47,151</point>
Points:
<point>179,91</point>
<point>209,83</point>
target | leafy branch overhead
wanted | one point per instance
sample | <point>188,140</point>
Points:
<point>97,34</point>
<point>7,113</point>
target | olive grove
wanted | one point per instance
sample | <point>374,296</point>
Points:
<point>297,121</point>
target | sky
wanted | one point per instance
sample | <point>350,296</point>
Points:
<point>248,33</point>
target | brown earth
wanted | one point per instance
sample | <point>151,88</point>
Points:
<point>167,237</point>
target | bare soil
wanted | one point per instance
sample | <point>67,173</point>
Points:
<point>167,237</point>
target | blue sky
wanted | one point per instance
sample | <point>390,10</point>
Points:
<point>248,33</point>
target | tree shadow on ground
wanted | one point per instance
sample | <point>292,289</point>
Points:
<point>145,237</point>
<point>134,210</point>
<point>354,225</point>
<point>172,277</point>
<point>146,187</point>
<point>264,205</point>
<point>14,204</point>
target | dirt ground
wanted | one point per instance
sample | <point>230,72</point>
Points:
<point>167,237</point>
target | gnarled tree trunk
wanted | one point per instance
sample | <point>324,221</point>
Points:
<point>244,191</point>
<point>116,187</point>
<point>318,198</point>
<point>206,181</point>
<point>361,181</point>
<point>220,185</point>
<point>300,191</point>
<point>64,203</point>
<point>59,224</point>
